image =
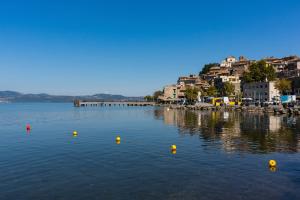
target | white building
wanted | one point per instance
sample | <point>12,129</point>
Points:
<point>228,61</point>
<point>260,91</point>
<point>231,79</point>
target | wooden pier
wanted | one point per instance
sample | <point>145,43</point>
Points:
<point>78,103</point>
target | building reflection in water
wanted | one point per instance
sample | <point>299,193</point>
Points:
<point>236,131</point>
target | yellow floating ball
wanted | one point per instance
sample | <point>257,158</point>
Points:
<point>272,163</point>
<point>272,169</point>
<point>118,138</point>
<point>75,133</point>
<point>173,147</point>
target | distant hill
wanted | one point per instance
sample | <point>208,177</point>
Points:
<point>12,96</point>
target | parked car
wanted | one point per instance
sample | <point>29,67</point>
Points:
<point>267,103</point>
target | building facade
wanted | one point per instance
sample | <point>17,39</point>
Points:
<point>261,91</point>
<point>227,62</point>
<point>234,80</point>
<point>170,94</point>
<point>242,65</point>
<point>293,65</point>
<point>187,80</point>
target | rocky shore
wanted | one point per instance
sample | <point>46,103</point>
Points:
<point>256,109</point>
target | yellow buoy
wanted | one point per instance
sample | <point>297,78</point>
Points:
<point>118,138</point>
<point>173,147</point>
<point>74,133</point>
<point>272,163</point>
<point>273,169</point>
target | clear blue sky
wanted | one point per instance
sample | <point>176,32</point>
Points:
<point>133,48</point>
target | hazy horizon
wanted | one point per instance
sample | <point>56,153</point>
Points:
<point>134,48</point>
<point>97,93</point>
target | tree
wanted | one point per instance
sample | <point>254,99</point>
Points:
<point>191,94</point>
<point>148,98</point>
<point>212,91</point>
<point>156,94</point>
<point>206,67</point>
<point>283,85</point>
<point>260,71</point>
<point>227,89</point>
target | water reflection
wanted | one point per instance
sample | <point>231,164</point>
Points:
<point>236,131</point>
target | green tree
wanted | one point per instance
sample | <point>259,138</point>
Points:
<point>148,98</point>
<point>227,89</point>
<point>156,94</point>
<point>206,68</point>
<point>212,91</point>
<point>260,71</point>
<point>283,85</point>
<point>191,94</point>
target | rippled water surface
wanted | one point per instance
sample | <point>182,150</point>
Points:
<point>219,155</point>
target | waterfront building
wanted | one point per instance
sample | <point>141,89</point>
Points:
<point>176,93</point>
<point>261,91</point>
<point>170,94</point>
<point>234,80</point>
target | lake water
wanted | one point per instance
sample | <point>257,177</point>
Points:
<point>219,155</point>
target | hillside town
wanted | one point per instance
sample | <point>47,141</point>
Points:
<point>239,79</point>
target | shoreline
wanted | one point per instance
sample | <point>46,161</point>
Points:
<point>253,109</point>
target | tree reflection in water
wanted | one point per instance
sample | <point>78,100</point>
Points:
<point>236,131</point>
